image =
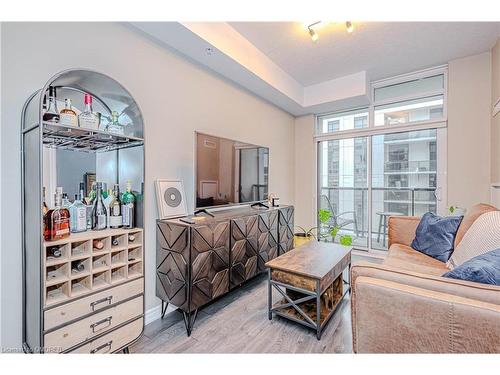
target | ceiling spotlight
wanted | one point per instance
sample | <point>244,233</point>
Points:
<point>313,34</point>
<point>349,26</point>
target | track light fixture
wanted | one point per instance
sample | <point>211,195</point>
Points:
<point>314,35</point>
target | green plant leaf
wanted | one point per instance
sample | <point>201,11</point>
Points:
<point>334,231</point>
<point>346,240</point>
<point>324,215</point>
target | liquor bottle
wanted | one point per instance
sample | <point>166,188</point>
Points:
<point>108,199</point>
<point>89,201</point>
<point>98,244</point>
<point>57,220</point>
<point>51,114</point>
<point>45,208</point>
<point>99,214</point>
<point>88,118</point>
<point>54,252</point>
<point>114,126</point>
<point>65,201</point>
<point>78,213</point>
<point>128,207</point>
<point>115,215</point>
<point>68,115</point>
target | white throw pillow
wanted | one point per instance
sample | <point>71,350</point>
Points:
<point>482,237</point>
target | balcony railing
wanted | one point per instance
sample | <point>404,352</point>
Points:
<point>404,200</point>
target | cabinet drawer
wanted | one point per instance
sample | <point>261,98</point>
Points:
<point>113,340</point>
<point>82,330</point>
<point>73,310</point>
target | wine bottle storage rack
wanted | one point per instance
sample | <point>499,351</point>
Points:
<point>81,139</point>
<point>99,268</point>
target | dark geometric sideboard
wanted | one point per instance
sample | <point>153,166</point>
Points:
<point>196,263</point>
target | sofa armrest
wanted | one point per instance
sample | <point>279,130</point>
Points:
<point>402,229</point>
<point>404,312</point>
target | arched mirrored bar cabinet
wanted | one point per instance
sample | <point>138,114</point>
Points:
<point>83,275</point>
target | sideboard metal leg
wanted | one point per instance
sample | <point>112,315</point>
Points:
<point>189,319</point>
<point>164,306</point>
<point>269,296</point>
<point>126,350</point>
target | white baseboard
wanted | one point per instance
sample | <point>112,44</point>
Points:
<point>154,313</point>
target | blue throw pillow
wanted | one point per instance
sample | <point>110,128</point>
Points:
<point>435,235</point>
<point>484,268</point>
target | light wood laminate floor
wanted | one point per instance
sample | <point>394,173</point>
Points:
<point>238,323</point>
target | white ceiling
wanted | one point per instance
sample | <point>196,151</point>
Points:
<point>382,49</point>
<point>280,63</point>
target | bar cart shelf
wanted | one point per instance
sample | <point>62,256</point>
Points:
<point>79,297</point>
<point>81,139</point>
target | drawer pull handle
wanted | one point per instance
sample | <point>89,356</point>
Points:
<point>97,324</point>
<point>103,346</point>
<point>106,299</point>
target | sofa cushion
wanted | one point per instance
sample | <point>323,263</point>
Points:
<point>406,258</point>
<point>435,235</point>
<point>482,237</point>
<point>470,216</point>
<point>484,268</point>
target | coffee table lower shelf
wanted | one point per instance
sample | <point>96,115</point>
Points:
<point>301,305</point>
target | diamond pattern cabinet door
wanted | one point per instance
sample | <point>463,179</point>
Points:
<point>285,231</point>
<point>172,263</point>
<point>244,251</point>
<point>210,262</point>
<point>268,238</point>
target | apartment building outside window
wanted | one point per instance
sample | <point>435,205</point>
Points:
<point>386,159</point>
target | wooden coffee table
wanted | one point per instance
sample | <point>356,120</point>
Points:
<point>309,278</point>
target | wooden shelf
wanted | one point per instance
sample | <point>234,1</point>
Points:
<point>102,268</point>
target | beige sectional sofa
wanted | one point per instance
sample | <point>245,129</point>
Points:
<point>405,306</point>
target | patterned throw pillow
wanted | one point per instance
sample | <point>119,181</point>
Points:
<point>484,268</point>
<point>482,237</point>
<point>435,235</point>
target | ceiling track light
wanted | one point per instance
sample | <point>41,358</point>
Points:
<point>314,35</point>
<point>349,26</point>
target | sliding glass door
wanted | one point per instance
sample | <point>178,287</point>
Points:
<point>404,178</point>
<point>364,180</point>
<point>343,181</point>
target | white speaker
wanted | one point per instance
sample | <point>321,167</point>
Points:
<point>170,199</point>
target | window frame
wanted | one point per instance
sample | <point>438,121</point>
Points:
<point>440,124</point>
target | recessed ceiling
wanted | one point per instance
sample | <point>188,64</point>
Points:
<point>382,49</point>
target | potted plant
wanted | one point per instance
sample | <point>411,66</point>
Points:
<point>305,235</point>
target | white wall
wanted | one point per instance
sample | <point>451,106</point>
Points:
<point>305,172</point>
<point>495,121</point>
<point>176,98</point>
<point>469,130</point>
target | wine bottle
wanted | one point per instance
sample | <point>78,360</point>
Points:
<point>99,214</point>
<point>128,207</point>
<point>78,266</point>
<point>51,114</point>
<point>131,237</point>
<point>115,242</point>
<point>54,252</point>
<point>115,208</point>
<point>98,244</point>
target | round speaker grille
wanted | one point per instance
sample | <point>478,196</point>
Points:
<point>172,197</point>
